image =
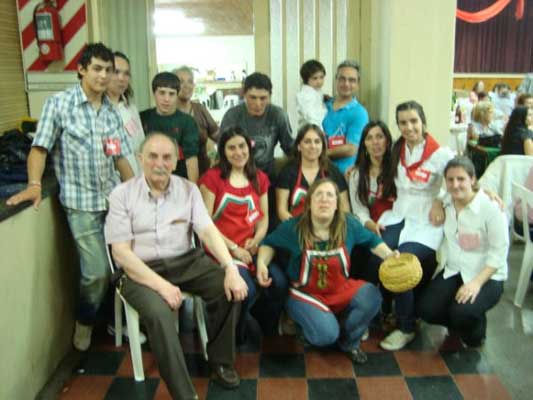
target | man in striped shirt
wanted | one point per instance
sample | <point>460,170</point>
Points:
<point>85,136</point>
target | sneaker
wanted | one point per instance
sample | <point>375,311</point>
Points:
<point>397,340</point>
<point>111,331</point>
<point>358,356</point>
<point>365,336</point>
<point>82,336</point>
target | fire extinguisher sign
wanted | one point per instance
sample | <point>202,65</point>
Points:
<point>44,26</point>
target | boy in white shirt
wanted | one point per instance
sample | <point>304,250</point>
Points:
<point>310,100</point>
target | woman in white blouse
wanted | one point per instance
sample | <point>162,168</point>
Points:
<point>372,190</point>
<point>475,263</point>
<point>414,224</point>
<point>120,93</point>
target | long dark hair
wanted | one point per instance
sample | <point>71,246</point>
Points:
<point>250,169</point>
<point>128,94</point>
<point>517,122</point>
<point>363,164</point>
<point>323,160</point>
<point>406,106</point>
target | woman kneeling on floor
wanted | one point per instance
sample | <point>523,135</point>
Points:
<point>324,301</point>
<point>475,258</point>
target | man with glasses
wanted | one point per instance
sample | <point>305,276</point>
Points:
<point>346,117</point>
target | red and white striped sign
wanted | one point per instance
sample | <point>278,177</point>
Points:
<point>73,14</point>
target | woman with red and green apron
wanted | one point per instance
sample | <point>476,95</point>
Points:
<point>236,197</point>
<point>327,304</point>
<point>310,162</point>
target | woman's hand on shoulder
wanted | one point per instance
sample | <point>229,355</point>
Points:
<point>436,214</point>
<point>494,197</point>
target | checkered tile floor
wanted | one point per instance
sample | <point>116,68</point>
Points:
<point>432,367</point>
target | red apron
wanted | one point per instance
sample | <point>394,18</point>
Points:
<point>298,194</point>
<point>325,281</point>
<point>378,204</point>
<point>415,172</point>
<point>236,217</point>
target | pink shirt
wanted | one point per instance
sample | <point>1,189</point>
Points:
<point>158,227</point>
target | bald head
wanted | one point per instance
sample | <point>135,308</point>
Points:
<point>159,157</point>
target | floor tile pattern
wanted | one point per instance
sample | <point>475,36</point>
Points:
<point>433,366</point>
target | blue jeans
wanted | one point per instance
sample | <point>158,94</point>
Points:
<point>404,303</point>
<point>88,231</point>
<point>275,296</point>
<point>322,328</point>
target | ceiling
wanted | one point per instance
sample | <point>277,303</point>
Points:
<point>220,17</point>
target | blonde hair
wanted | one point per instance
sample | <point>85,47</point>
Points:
<point>481,110</point>
<point>337,228</point>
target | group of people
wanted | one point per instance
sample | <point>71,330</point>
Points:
<point>502,120</point>
<point>274,238</point>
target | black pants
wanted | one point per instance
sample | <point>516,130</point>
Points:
<point>438,306</point>
<point>196,273</point>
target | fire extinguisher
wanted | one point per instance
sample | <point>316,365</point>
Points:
<point>48,31</point>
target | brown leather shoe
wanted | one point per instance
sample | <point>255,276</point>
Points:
<point>225,376</point>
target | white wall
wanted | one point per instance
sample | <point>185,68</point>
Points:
<point>220,53</point>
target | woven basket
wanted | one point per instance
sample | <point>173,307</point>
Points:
<point>400,274</point>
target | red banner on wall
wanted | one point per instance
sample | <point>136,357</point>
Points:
<point>490,12</point>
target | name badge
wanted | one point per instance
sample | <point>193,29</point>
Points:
<point>334,141</point>
<point>112,147</point>
<point>419,175</point>
<point>469,241</point>
<point>252,217</point>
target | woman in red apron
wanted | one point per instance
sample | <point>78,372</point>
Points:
<point>324,301</point>
<point>236,197</point>
<point>310,162</point>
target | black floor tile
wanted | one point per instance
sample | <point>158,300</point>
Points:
<point>421,342</point>
<point>127,388</point>
<point>197,365</point>
<point>378,364</point>
<point>466,362</point>
<point>247,390</point>
<point>252,342</point>
<point>434,388</point>
<point>282,366</point>
<point>100,363</point>
<point>321,389</point>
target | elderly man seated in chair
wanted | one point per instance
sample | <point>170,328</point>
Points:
<point>149,228</point>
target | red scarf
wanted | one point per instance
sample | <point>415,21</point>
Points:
<point>412,171</point>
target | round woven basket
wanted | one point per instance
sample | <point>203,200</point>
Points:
<point>399,274</point>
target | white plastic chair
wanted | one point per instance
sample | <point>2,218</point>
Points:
<point>230,100</point>
<point>132,322</point>
<point>526,197</point>
<point>205,100</point>
<point>500,175</point>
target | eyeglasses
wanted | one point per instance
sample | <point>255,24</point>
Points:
<point>344,79</point>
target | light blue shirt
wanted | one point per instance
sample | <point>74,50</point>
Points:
<point>347,121</point>
<point>74,133</point>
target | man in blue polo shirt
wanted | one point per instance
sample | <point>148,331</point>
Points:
<point>346,118</point>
